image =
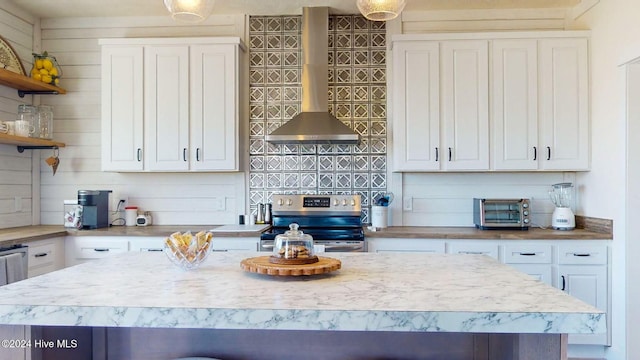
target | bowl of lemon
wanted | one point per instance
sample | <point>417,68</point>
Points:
<point>45,69</point>
<point>186,250</point>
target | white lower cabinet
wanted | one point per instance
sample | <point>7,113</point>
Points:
<point>580,268</point>
<point>405,245</point>
<point>147,244</point>
<point>80,249</point>
<point>45,256</point>
<point>474,247</point>
<point>235,244</point>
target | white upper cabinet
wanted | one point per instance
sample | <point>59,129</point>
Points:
<point>122,108</point>
<point>564,104</point>
<point>166,104</point>
<point>189,116</point>
<point>465,105</point>
<point>497,102</point>
<point>416,106</point>
<point>514,104</point>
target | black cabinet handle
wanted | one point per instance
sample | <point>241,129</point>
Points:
<point>449,154</point>
<point>535,153</point>
<point>155,250</point>
<point>436,154</point>
<point>40,255</point>
<point>548,153</point>
<point>528,254</point>
<point>563,283</point>
<point>139,154</point>
<point>197,154</point>
<point>101,250</point>
<point>184,154</point>
<point>582,255</point>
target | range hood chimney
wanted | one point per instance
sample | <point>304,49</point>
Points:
<point>314,125</point>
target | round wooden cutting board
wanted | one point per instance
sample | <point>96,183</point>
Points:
<point>261,265</point>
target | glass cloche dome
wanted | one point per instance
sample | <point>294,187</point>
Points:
<point>293,248</point>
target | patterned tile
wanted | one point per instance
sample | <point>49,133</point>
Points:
<point>256,163</point>
<point>308,162</point>
<point>291,180</point>
<point>357,96</point>
<point>291,162</point>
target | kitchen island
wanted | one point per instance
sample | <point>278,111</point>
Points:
<point>139,306</point>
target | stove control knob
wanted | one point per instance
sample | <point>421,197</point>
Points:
<point>525,213</point>
<point>289,202</point>
<point>336,202</point>
<point>344,202</point>
<point>525,205</point>
<point>526,221</point>
<point>353,202</point>
<point>280,202</point>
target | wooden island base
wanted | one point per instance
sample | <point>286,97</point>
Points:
<point>154,343</point>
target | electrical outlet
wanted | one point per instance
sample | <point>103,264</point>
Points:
<point>407,204</point>
<point>115,202</point>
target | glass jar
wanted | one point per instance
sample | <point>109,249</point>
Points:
<point>293,248</point>
<point>29,113</point>
<point>44,126</point>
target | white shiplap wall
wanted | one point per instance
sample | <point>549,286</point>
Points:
<point>17,181</point>
<point>173,198</point>
<point>445,199</point>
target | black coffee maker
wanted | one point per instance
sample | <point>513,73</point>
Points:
<point>95,208</point>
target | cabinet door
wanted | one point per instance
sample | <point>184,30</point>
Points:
<point>79,249</point>
<point>465,104</point>
<point>147,244</point>
<point>416,106</point>
<point>214,107</point>
<point>514,88</point>
<point>474,248</point>
<point>589,284</point>
<point>122,108</point>
<point>564,108</point>
<point>166,70</point>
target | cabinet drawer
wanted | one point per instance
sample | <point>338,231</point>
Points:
<point>528,254</point>
<point>147,244</point>
<point>568,254</point>
<point>41,255</point>
<point>474,248</point>
<point>97,249</point>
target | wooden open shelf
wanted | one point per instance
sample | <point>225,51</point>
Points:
<point>26,85</point>
<point>27,142</point>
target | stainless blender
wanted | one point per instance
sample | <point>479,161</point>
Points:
<point>562,218</point>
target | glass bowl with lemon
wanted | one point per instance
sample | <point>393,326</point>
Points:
<point>186,250</point>
<point>45,69</point>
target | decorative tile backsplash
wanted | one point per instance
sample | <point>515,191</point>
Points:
<point>357,96</point>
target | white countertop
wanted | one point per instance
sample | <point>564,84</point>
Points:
<point>372,292</point>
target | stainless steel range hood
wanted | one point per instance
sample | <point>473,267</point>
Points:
<point>314,125</point>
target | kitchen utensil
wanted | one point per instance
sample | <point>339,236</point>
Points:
<point>384,199</point>
<point>260,214</point>
<point>561,195</point>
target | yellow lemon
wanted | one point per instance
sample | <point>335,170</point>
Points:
<point>46,78</point>
<point>34,71</point>
<point>39,64</point>
<point>56,81</point>
<point>37,76</point>
<point>53,72</point>
<point>44,71</point>
<point>47,64</point>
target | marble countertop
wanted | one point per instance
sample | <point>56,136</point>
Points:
<point>372,292</point>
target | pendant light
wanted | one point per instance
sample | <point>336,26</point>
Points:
<point>190,11</point>
<point>381,10</point>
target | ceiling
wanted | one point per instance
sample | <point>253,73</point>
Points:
<point>91,8</point>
